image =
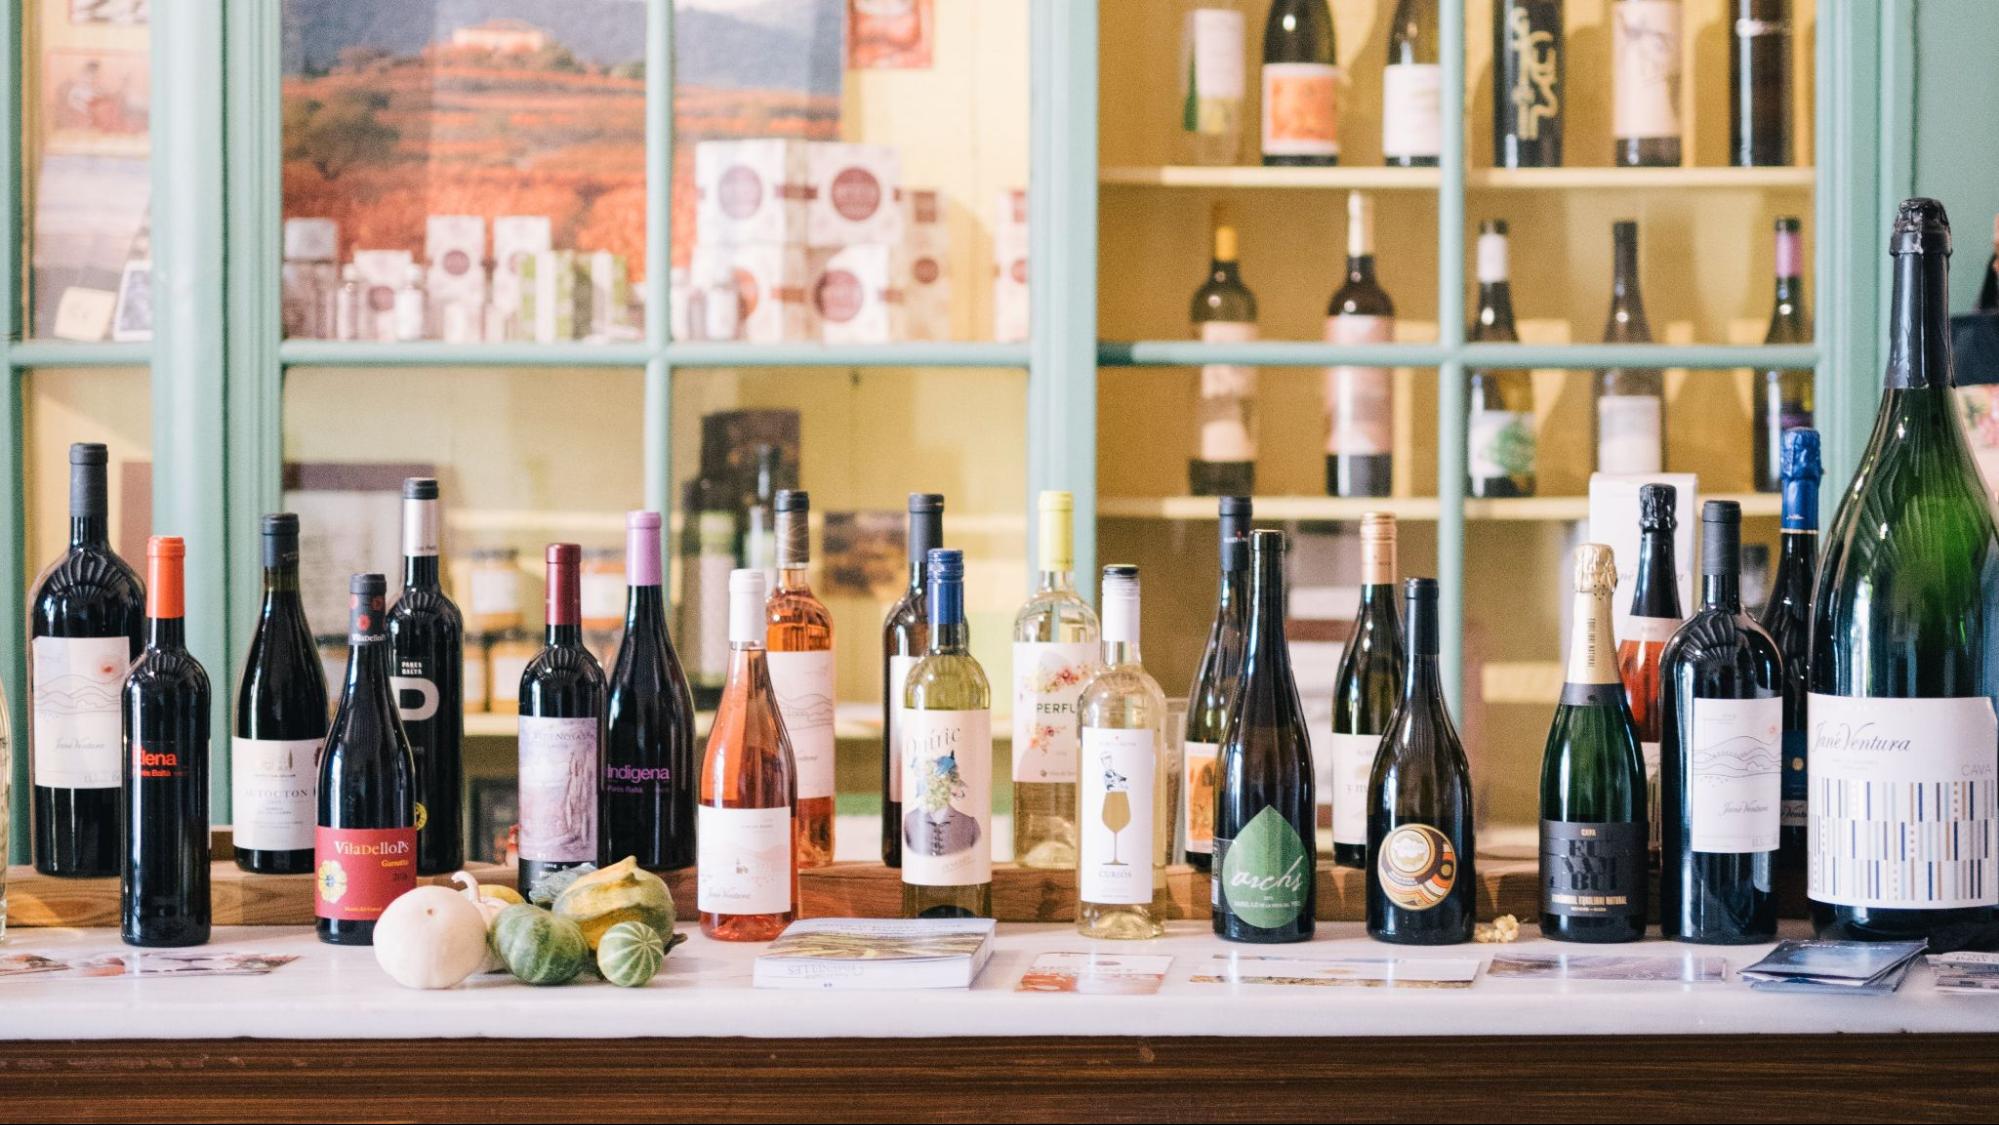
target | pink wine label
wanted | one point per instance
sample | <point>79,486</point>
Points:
<point>558,789</point>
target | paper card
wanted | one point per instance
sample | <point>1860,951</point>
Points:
<point>1881,985</point>
<point>1096,974</point>
<point>83,313</point>
<point>146,964</point>
<point>1353,972</point>
<point>1685,968</point>
<point>1833,960</point>
<point>29,964</point>
<point>1966,972</point>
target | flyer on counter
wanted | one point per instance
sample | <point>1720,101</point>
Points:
<point>1686,968</point>
<point>1096,974</point>
<point>1965,972</point>
<point>1345,972</point>
<point>146,964</point>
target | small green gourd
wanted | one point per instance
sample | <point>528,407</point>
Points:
<point>630,953</point>
<point>539,947</point>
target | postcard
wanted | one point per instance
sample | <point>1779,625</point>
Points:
<point>1348,972</point>
<point>150,963</point>
<point>1686,968</point>
<point>1096,974</point>
<point>1832,962</point>
<point>1965,972</point>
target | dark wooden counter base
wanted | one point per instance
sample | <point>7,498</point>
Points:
<point>1649,1078</point>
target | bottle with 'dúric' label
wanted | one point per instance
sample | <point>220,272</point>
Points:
<point>1301,85</point>
<point>563,700</point>
<point>947,762</point>
<point>427,645</point>
<point>1412,86</point>
<point>1360,400</point>
<point>1787,617</point>
<point>800,656</point>
<point>1213,93</point>
<point>1500,445</point>
<point>280,721</point>
<point>905,639</point>
<point>1366,690</point>
<point>1224,312</point>
<point>1655,617</point>
<point>1214,686</point>
<point>1630,401</point>
<point>646,803</point>
<point>1054,655</point>
<point>1127,792</point>
<point>1645,82</point>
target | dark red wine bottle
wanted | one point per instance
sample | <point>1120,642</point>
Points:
<point>365,843</point>
<point>280,721</point>
<point>86,624</point>
<point>646,803</point>
<point>427,645</point>
<point>561,733</point>
<point>164,889</point>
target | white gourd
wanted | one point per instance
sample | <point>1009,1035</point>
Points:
<point>431,937</point>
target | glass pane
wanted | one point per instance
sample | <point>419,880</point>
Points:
<point>850,172</point>
<point>112,405</point>
<point>86,104</point>
<point>455,172</point>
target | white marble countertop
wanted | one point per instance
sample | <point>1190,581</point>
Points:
<point>704,990</point>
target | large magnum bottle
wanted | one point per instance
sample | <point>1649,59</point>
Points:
<point>365,843</point>
<point>1301,85</point>
<point>1722,733</point>
<point>645,806</point>
<point>1214,685</point>
<point>1422,888</point>
<point>1360,401</point>
<point>1593,822</point>
<point>1527,94</point>
<point>1499,431</point>
<point>1655,617</point>
<point>1412,88</point>
<point>1783,394</point>
<point>905,638</point>
<point>86,624</point>
<point>1054,654</point>
<point>1904,764</point>
<point>427,643</point>
<point>1265,874</point>
<point>1366,690</point>
<point>280,721</point>
<point>164,891</point>
<point>1630,401</point>
<point>1787,617</point>
<point>802,673</point>
<point>1224,312</point>
<point>947,763</point>
<point>561,733</point>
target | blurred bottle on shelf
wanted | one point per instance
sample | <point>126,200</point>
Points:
<point>1213,94</point>
<point>1499,432</point>
<point>707,555</point>
<point>1055,652</point>
<point>1783,394</point>
<point>1209,700</point>
<point>1528,97</point>
<point>1655,617</point>
<point>1759,84</point>
<point>1360,400</point>
<point>1630,401</point>
<point>1224,312</point>
<point>1301,85</point>
<point>1645,66</point>
<point>1412,88</point>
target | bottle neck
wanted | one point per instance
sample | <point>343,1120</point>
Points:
<point>280,585</point>
<point>422,572</point>
<point>1722,591</point>
<point>1360,268</point>
<point>793,580</point>
<point>955,637</point>
<point>166,633</point>
<point>1117,653</point>
<point>1423,678</point>
<point>1495,311</point>
<point>1919,356</point>
<point>644,605</point>
<point>1592,646</point>
<point>89,531</point>
<point>1054,582</point>
<point>1226,272</point>
<point>1801,505</point>
<point>1265,644</point>
<point>367,664</point>
<point>1656,591</point>
<point>563,635</point>
<point>946,605</point>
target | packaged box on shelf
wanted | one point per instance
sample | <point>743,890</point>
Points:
<point>925,276</point>
<point>750,191</point>
<point>515,239</point>
<point>854,294</point>
<point>853,194</point>
<point>610,294</point>
<point>382,273</point>
<point>455,281</point>
<point>1010,308</point>
<point>555,297</point>
<point>310,278</point>
<point>770,282</point>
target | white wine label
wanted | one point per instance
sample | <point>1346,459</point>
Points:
<point>560,761</point>
<point>1227,413</point>
<point>1120,770</point>
<point>1353,762</point>
<point>1047,680</point>
<point>1902,795</point>
<point>742,860</point>
<point>1301,109</point>
<point>1215,55</point>
<point>1412,110</point>
<point>1628,434</point>
<point>898,680</point>
<point>1500,443</point>
<point>1197,817</point>
<point>274,792</point>
<point>1360,401</point>
<point>1645,65</point>
<point>1734,778</point>
<point>803,682</point>
<point>947,809</point>
<point>78,731</point>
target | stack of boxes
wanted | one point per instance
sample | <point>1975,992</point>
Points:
<point>1010,267</point>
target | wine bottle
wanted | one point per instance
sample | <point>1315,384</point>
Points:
<point>1783,394</point>
<point>1904,756</point>
<point>163,892</point>
<point>1529,55</point>
<point>1645,82</point>
<point>1054,655</point>
<point>1264,885</point>
<point>561,734</point>
<point>280,721</point>
<point>1594,869</point>
<point>800,658</point>
<point>364,843</point>
<point>947,762</point>
<point>1360,401</point>
<point>1630,401</point>
<point>1125,812</point>
<point>1366,690</point>
<point>1214,686</point>
<point>1422,885</point>
<point>1722,732</point>
<point>645,805</point>
<point>427,645</point>
<point>707,555</point>
<point>1412,88</point>
<point>749,829</point>
<point>1655,617</point>
<point>1499,433</point>
<point>905,638</point>
<point>1759,84</point>
<point>1787,617</point>
<point>1213,96</point>
<point>86,624</point>
<point>1224,312</point>
<point>1301,84</point>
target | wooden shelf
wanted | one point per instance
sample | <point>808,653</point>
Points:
<point>1640,179</point>
<point>1548,509</point>
<point>1258,176</point>
<point>1344,177</point>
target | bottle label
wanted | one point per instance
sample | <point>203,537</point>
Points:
<point>742,860</point>
<point>1628,434</point>
<point>898,678</point>
<point>1047,681</point>
<point>558,789</point>
<point>1417,866</point>
<point>417,697</point>
<point>1214,70</point>
<point>358,872</point>
<point>1537,64</point>
<point>1734,778</point>
<point>1227,413</point>
<point>1346,782</point>
<point>1198,814</point>
<point>1265,873</point>
<point>803,683</point>
<point>78,731</point>
<point>1592,870</point>
<point>1645,60</point>
<point>1301,109</point>
<point>1500,444</point>
<point>1116,829</point>
<point>1360,401</point>
<point>947,774</point>
<point>1412,110</point>
<point>274,792</point>
<point>1902,802</point>
<point>1793,812</point>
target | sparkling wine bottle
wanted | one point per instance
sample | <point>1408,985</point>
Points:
<point>427,644</point>
<point>163,893</point>
<point>1124,814</point>
<point>1365,692</point>
<point>905,638</point>
<point>645,805</point>
<point>1655,617</point>
<point>1214,686</point>
<point>280,721</point>
<point>947,762</point>
<point>1224,312</point>
<point>562,712</point>
<point>1787,617</point>
<point>802,667</point>
<point>1054,655</point>
<point>1360,401</point>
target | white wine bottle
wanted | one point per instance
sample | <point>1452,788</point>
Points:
<point>947,762</point>
<point>1126,795</point>
<point>1054,655</point>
